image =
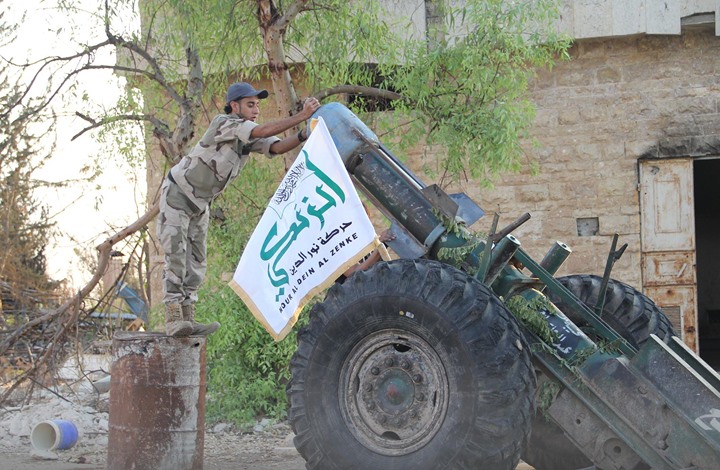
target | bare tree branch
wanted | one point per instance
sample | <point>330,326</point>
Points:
<point>172,145</point>
<point>117,118</point>
<point>291,12</point>
<point>104,249</point>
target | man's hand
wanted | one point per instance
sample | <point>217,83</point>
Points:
<point>309,107</point>
<point>271,128</point>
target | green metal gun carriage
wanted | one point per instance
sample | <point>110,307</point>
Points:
<point>467,353</point>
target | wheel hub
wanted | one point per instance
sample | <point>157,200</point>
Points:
<point>394,392</point>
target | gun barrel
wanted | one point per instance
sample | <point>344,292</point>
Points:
<point>394,189</point>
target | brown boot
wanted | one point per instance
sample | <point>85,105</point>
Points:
<point>174,323</point>
<point>198,329</point>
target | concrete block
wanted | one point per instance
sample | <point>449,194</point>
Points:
<point>628,17</point>
<point>592,18</point>
<point>663,17</point>
<point>533,193</point>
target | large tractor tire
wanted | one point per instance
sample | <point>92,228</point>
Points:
<point>634,317</point>
<point>412,364</point>
<point>630,313</point>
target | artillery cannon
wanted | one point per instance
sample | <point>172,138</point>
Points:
<point>467,353</point>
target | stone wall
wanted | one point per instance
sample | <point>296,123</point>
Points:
<point>615,101</point>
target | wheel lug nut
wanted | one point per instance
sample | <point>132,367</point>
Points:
<point>368,387</point>
<point>405,364</point>
<point>413,414</point>
<point>383,419</point>
<point>389,361</point>
<point>371,406</point>
<point>421,397</point>
<point>417,378</point>
<point>374,371</point>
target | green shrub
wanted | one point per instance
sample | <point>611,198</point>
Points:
<point>247,370</point>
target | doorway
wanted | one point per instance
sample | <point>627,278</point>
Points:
<point>706,175</point>
<point>668,242</point>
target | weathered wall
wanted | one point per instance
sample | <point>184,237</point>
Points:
<point>617,100</point>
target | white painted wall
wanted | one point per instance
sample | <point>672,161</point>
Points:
<point>584,19</point>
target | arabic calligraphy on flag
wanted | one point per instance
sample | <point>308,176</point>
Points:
<point>313,229</point>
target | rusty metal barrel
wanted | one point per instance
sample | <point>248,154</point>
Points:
<point>157,402</point>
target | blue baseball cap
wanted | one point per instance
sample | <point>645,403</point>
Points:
<point>241,90</point>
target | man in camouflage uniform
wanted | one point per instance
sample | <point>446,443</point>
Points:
<point>200,177</point>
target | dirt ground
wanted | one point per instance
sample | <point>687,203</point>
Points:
<point>268,448</point>
<point>264,451</point>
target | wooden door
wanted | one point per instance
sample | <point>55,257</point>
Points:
<point>668,242</point>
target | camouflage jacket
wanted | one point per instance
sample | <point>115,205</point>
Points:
<point>218,158</point>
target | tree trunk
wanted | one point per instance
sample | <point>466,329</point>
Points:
<point>273,27</point>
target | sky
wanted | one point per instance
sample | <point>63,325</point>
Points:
<point>86,213</point>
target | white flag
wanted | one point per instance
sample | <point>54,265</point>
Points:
<point>313,229</point>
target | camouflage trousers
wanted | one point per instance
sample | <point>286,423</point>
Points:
<point>182,231</point>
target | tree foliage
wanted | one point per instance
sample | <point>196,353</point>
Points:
<point>24,226</point>
<point>453,74</point>
<point>247,371</point>
<point>26,290</point>
<point>456,72</point>
<point>458,81</point>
